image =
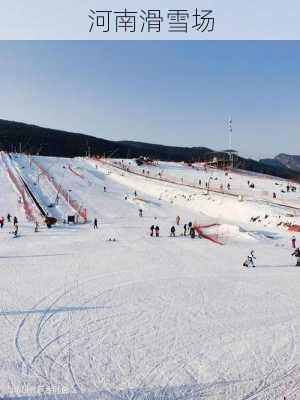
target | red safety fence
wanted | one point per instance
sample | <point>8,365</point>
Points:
<point>81,211</point>
<point>212,238</point>
<point>20,188</point>
<point>294,228</point>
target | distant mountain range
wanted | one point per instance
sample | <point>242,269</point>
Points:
<point>32,139</point>
<point>283,160</point>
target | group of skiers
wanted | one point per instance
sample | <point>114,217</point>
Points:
<point>154,229</point>
<point>9,219</point>
<point>188,229</point>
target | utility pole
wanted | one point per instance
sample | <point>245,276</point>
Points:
<point>230,140</point>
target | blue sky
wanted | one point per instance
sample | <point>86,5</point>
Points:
<point>177,93</point>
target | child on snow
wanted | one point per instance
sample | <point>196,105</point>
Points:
<point>297,255</point>
<point>250,260</point>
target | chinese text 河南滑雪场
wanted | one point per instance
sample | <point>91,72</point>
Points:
<point>178,21</point>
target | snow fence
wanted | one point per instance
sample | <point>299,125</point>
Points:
<point>20,189</point>
<point>80,211</point>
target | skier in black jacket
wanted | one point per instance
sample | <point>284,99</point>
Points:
<point>297,255</point>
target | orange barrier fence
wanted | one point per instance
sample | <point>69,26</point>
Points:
<point>20,188</point>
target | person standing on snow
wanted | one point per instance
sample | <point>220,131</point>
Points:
<point>172,231</point>
<point>294,242</point>
<point>8,217</point>
<point>1,222</point>
<point>297,255</point>
<point>104,189</point>
<point>250,260</point>
<point>16,230</point>
<point>184,229</point>
<point>15,220</point>
<point>157,231</point>
<point>140,212</point>
<point>95,223</point>
<point>192,232</point>
<point>151,230</point>
<point>36,226</point>
<point>177,220</point>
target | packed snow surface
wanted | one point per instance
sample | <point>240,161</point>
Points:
<point>113,313</point>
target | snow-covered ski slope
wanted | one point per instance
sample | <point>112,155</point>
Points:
<point>217,180</point>
<point>141,317</point>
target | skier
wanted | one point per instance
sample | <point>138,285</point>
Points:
<point>157,231</point>
<point>95,223</point>
<point>15,220</point>
<point>172,231</point>
<point>184,229</point>
<point>297,255</point>
<point>8,217</point>
<point>140,212</point>
<point>151,230</point>
<point>294,242</point>
<point>16,231</point>
<point>249,262</point>
<point>177,220</point>
<point>274,195</point>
